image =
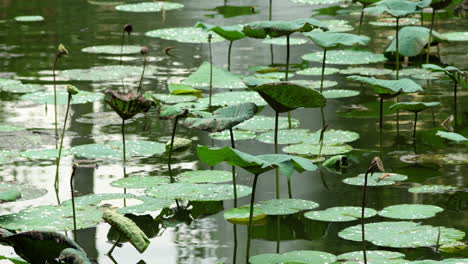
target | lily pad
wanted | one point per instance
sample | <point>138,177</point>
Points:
<point>105,118</point>
<point>44,154</point>
<point>375,179</point>
<point>397,8</point>
<point>241,215</point>
<point>26,191</point>
<point>144,7</point>
<point>317,71</point>
<point>231,33</point>
<point>433,189</point>
<point>14,86</point>
<point>336,25</point>
<point>198,192</point>
<point>10,128</point>
<point>314,84</point>
<point>204,176</point>
<point>412,41</point>
<point>140,182</point>
<point>413,106</point>
<point>373,256</point>
<point>238,135</point>
<point>340,214</point>
<point>449,158</point>
<point>184,35</point>
<point>177,89</point>
<point>366,71</point>
<point>113,49</point>
<point>107,73</point>
<point>311,149</point>
<point>234,98</point>
<point>456,36</point>
<point>283,41</point>
<point>403,234</point>
<point>273,75</point>
<point>47,97</point>
<point>410,211</point>
<point>452,136</point>
<point>29,18</point>
<point>286,136</point>
<point>318,2</point>
<point>303,257</point>
<point>174,99</point>
<point>391,22</point>
<point>285,206</point>
<point>265,123</point>
<point>389,86</point>
<point>421,74</point>
<point>331,137</point>
<point>345,57</point>
<point>222,79</point>
<point>339,93</point>
<point>278,28</point>
<point>113,149</point>
<point>331,40</point>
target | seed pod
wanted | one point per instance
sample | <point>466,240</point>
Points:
<point>128,28</point>
<point>61,51</point>
<point>144,50</point>
<point>72,90</point>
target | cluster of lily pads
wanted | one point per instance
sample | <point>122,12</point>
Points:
<point>233,116</point>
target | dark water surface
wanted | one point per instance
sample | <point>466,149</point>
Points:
<point>27,52</point>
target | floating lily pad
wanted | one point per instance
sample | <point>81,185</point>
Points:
<point>274,75</point>
<point>340,214</point>
<point>177,89</point>
<point>241,215</point>
<point>107,73</point>
<point>339,93</point>
<point>314,84</point>
<point>198,192</point>
<point>375,180</point>
<point>283,41</point>
<point>7,156</point>
<point>47,97</point>
<point>403,234</point>
<point>174,99</point>
<point>450,158</point>
<point>373,257</point>
<point>113,49</point>
<point>266,123</point>
<point>317,71</point>
<point>222,79</point>
<point>310,149</point>
<point>44,154</point>
<point>335,25</point>
<point>184,34</point>
<point>113,149</point>
<point>332,40</point>
<point>238,135</point>
<point>421,74</point>
<point>286,136</point>
<point>144,7</point>
<point>391,22</point>
<point>234,98</point>
<point>410,211</point>
<point>29,18</point>
<point>14,86</point>
<point>433,189</point>
<point>10,128</point>
<point>456,36</point>
<point>205,176</point>
<point>331,137</point>
<point>26,191</point>
<point>285,206</point>
<point>345,57</point>
<point>366,71</point>
<point>105,118</point>
<point>303,257</point>
<point>142,182</point>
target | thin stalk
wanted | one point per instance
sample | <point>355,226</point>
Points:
<point>55,98</point>
<point>115,244</point>
<point>234,254</point>
<point>211,71</point>
<point>142,73</point>
<point>363,221</point>
<point>287,58</point>
<point>438,241</point>
<point>278,234</point>
<point>123,145</point>
<point>323,70</point>
<point>430,35</point>
<point>381,114</point>
<point>455,101</point>
<point>276,152</point>
<point>73,201</point>
<point>397,50</point>
<point>229,55</point>
<point>398,118</point>
<point>169,161</point>
<point>270,11</point>
<point>249,233</point>
<point>433,118</point>
<point>322,133</point>
<point>415,122</point>
<point>61,143</point>
<point>272,54</point>
<point>361,19</point>
<point>121,47</point>
<point>233,145</point>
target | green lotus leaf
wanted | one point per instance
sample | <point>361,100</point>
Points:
<point>143,7</point>
<point>373,257</point>
<point>339,93</point>
<point>412,41</point>
<point>338,161</point>
<point>312,149</point>
<point>413,106</point>
<point>336,25</point>
<point>47,97</point>
<point>198,192</point>
<point>314,84</point>
<point>442,159</point>
<point>177,89</point>
<point>223,118</point>
<point>71,255</point>
<point>283,41</point>
<point>410,211</point>
<point>127,105</point>
<point>375,179</point>
<point>113,49</point>
<point>433,189</point>
<point>421,74</point>
<point>302,257</point>
<point>10,128</point>
<point>397,8</point>
<point>262,29</point>
<point>332,40</point>
<point>105,118</point>
<point>266,123</point>
<point>445,261</point>
<point>222,79</point>
<point>179,144</point>
<point>263,69</point>
<point>366,71</point>
<point>113,149</point>
<point>252,81</point>
<point>107,73</point>
<point>273,75</point>
<point>318,71</point>
<point>340,214</point>
<point>142,182</point>
<point>331,137</point>
<point>7,156</point>
<point>383,87</point>
<point>345,57</point>
<point>254,164</point>
<point>231,33</point>
<point>241,215</point>
<point>391,22</point>
<point>234,98</point>
<point>14,260</point>
<point>174,99</point>
<point>452,136</point>
<point>457,75</point>
<point>29,18</point>
<point>184,35</point>
<point>456,36</point>
<point>44,154</point>
<point>228,11</point>
<point>204,176</point>
<point>286,136</point>
<point>318,2</point>
<point>403,234</point>
<point>14,86</point>
<point>284,96</point>
<point>285,206</point>
<point>238,135</point>
<point>9,195</point>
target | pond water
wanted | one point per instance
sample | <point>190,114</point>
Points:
<point>200,234</point>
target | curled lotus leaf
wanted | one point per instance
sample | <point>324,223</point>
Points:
<point>231,33</point>
<point>73,256</point>
<point>303,257</point>
<point>340,214</point>
<point>262,29</point>
<point>397,8</point>
<point>377,179</point>
<point>144,7</point>
<point>410,211</point>
<point>412,40</point>
<point>184,35</point>
<point>331,40</point>
<point>204,176</point>
<point>198,192</point>
<point>113,49</point>
<point>345,57</point>
<point>127,105</point>
<point>457,75</point>
<point>222,79</point>
<point>413,106</point>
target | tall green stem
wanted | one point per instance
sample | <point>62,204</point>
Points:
<point>169,161</point>
<point>397,50</point>
<point>121,47</point>
<point>270,11</point>
<point>229,55</point>
<point>415,122</point>
<point>55,99</point>
<point>61,143</point>
<point>363,221</point>
<point>323,69</point>
<point>234,182</point>
<point>211,71</point>
<point>249,231</point>
<point>381,114</point>
<point>73,200</point>
<point>124,151</point>
<point>430,36</point>
<point>286,78</point>
<point>114,245</point>
<point>361,20</point>
<point>276,152</point>
<point>142,73</point>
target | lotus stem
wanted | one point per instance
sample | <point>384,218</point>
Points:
<point>287,58</point>
<point>381,114</point>
<point>415,122</point>
<point>142,73</point>
<point>234,182</point>
<point>234,254</point>
<point>123,145</point>
<point>322,134</point>
<point>276,152</point>
<point>438,241</point>
<point>121,47</point>
<point>229,55</point>
<point>278,234</point>
<point>114,245</point>
<point>73,200</point>
<point>455,100</point>
<point>323,70</point>
<point>211,70</point>
<point>363,221</point>
<point>252,201</point>
<point>430,35</point>
<point>55,98</point>
<point>397,50</point>
<point>398,118</point>
<point>169,161</point>
<point>272,55</point>
<point>433,118</point>
<point>270,11</point>
<point>61,143</point>
<point>361,19</point>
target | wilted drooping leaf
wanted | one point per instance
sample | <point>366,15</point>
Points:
<point>127,105</point>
